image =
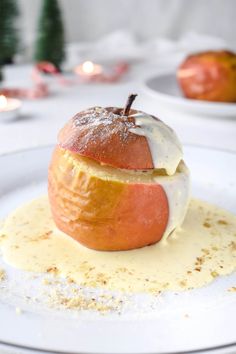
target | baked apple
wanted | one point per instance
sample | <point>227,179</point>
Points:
<point>117,180</point>
<point>209,76</point>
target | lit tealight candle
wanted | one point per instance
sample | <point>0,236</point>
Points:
<point>88,70</point>
<point>9,107</point>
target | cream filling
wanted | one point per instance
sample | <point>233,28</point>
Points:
<point>177,189</point>
<point>166,151</point>
<point>204,248</point>
<point>165,147</point>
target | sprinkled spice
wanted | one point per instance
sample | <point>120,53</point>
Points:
<point>68,297</point>
<point>206,224</point>
<point>233,245</point>
<point>214,274</point>
<point>198,269</point>
<point>222,222</point>
<point>2,274</point>
<point>232,289</point>
<point>183,283</point>
<point>215,248</point>
<point>53,270</point>
<point>205,251</point>
<point>2,237</point>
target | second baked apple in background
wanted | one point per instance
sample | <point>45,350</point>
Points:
<point>209,76</point>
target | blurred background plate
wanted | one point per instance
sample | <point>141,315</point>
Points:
<point>165,90</point>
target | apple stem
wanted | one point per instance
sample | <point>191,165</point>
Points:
<point>129,102</point>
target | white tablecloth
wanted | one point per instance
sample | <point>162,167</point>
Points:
<point>41,119</point>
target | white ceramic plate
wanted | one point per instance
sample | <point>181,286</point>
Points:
<point>192,321</point>
<point>165,90</point>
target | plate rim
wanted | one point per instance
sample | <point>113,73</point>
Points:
<point>38,350</point>
<point>188,102</point>
<point>13,345</point>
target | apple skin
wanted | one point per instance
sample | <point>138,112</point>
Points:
<point>103,214</point>
<point>89,134</point>
<point>209,76</point>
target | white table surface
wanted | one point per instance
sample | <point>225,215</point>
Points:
<point>41,119</point>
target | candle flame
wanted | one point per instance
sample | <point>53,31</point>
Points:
<point>88,67</point>
<point>3,102</point>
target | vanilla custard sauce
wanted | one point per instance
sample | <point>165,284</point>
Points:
<point>177,189</point>
<point>167,154</point>
<point>165,147</point>
<point>202,249</point>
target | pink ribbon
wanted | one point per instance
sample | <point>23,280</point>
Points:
<point>41,88</point>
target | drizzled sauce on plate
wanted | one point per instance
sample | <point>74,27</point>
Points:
<point>201,250</point>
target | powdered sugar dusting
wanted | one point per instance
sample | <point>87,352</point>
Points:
<point>104,134</point>
<point>111,123</point>
<point>136,141</point>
